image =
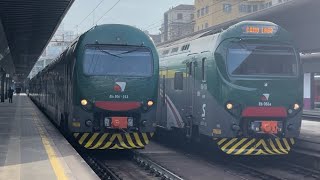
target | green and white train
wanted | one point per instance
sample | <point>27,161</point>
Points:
<point>242,87</point>
<point>103,88</point>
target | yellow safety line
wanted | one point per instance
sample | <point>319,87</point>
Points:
<point>266,147</point>
<point>286,144</point>
<point>109,142</point>
<point>91,140</point>
<point>84,136</point>
<point>281,147</point>
<point>274,148</point>
<point>254,147</point>
<point>245,146</point>
<point>103,137</point>
<point>122,143</point>
<point>221,141</point>
<point>57,167</point>
<point>261,152</point>
<point>130,141</point>
<point>229,143</point>
<point>236,145</point>
<point>136,136</point>
<point>145,138</point>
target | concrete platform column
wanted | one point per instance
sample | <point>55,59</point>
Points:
<point>3,76</point>
<point>307,91</point>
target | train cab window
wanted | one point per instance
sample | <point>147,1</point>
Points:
<point>117,61</point>
<point>261,60</point>
<point>178,81</point>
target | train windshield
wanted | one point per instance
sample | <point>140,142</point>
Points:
<point>117,60</point>
<point>261,60</point>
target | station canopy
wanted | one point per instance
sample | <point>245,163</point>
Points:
<point>26,26</point>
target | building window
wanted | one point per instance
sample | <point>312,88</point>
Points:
<point>254,8</point>
<point>249,8</point>
<point>242,8</point>
<point>207,9</point>
<point>198,13</point>
<point>202,26</point>
<point>179,16</point>
<point>198,28</point>
<point>202,11</point>
<point>227,8</point>
<point>191,16</point>
<point>279,1</point>
<point>207,25</point>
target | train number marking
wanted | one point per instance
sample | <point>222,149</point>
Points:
<point>117,96</point>
<point>203,115</point>
<point>265,104</point>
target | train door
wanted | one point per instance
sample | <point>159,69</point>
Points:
<point>190,94</point>
<point>162,106</point>
<point>200,96</point>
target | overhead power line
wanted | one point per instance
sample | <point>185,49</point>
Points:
<point>108,11</point>
<point>90,12</point>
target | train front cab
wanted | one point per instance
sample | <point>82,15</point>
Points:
<point>116,85</point>
<point>262,93</point>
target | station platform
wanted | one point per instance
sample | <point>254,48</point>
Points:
<point>311,113</point>
<point>310,131</point>
<point>32,148</point>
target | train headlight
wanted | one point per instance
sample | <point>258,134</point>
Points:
<point>296,106</point>
<point>84,102</point>
<point>229,106</point>
<point>150,103</point>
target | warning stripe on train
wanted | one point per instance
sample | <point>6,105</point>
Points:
<point>113,140</point>
<point>252,146</point>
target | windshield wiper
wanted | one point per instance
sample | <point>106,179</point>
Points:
<point>133,50</point>
<point>104,51</point>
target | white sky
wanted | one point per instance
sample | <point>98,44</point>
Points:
<point>144,14</point>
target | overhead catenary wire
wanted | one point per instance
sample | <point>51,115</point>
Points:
<point>90,13</point>
<point>108,11</point>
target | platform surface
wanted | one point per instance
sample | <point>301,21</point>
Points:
<point>32,148</point>
<point>310,131</point>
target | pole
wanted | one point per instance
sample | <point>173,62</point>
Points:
<point>6,88</point>
<point>2,85</point>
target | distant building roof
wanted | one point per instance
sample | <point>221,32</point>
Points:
<point>183,7</point>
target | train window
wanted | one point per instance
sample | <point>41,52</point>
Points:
<point>185,47</point>
<point>261,60</point>
<point>203,70</point>
<point>189,67</point>
<point>178,81</point>
<point>165,52</point>
<point>175,50</point>
<point>117,61</point>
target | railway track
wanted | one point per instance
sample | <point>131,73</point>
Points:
<point>129,166</point>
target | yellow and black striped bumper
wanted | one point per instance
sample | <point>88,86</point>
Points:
<point>113,141</point>
<point>252,146</point>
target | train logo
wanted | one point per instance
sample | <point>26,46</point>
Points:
<point>120,86</point>
<point>265,97</point>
